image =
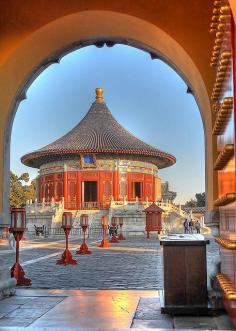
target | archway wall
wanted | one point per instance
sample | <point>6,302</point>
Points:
<point>233,8</point>
<point>45,46</point>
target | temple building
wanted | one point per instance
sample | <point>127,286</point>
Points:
<point>96,162</point>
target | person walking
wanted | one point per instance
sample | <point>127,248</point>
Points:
<point>110,230</point>
<point>186,226</point>
<point>191,226</point>
<point>198,227</point>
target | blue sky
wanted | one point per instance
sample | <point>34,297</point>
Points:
<point>146,96</point>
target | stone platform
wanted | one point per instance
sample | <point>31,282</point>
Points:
<point>96,310</point>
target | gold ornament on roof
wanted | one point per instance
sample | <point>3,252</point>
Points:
<point>99,93</point>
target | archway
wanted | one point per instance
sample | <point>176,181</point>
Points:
<point>48,44</point>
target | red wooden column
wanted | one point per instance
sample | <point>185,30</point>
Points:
<point>40,189</point>
<point>78,190</point>
<point>55,186</point>
<point>43,190</point>
<point>65,185</point>
<point>115,184</point>
<point>145,183</point>
<point>129,187</point>
<point>100,187</point>
<point>148,184</point>
<point>153,188</point>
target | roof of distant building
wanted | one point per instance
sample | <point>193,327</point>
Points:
<point>195,209</point>
<point>98,132</point>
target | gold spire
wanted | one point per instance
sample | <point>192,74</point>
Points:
<point>99,94</point>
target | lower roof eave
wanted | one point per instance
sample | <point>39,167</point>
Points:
<point>36,159</point>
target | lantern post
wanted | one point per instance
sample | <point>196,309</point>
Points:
<point>84,225</point>
<point>121,221</point>
<point>18,218</point>
<point>104,223</point>
<point>66,257</point>
<point>114,238</point>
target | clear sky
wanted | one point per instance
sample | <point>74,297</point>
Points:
<point>146,96</point>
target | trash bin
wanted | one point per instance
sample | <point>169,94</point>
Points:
<point>185,274</point>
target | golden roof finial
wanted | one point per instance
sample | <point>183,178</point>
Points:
<point>99,93</point>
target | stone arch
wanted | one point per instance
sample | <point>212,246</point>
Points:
<point>49,43</point>
<point>233,8</point>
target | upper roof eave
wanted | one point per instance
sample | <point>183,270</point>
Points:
<point>98,132</point>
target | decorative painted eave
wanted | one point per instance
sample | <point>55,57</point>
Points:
<point>223,115</point>
<point>225,199</point>
<point>226,243</point>
<point>98,133</point>
<point>227,287</point>
<point>224,157</point>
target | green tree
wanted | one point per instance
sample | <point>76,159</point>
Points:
<point>201,199</point>
<point>191,203</point>
<point>30,191</point>
<point>20,193</point>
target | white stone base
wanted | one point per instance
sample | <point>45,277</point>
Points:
<point>7,284</point>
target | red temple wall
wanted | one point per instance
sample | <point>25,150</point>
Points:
<point>110,183</point>
<point>226,182</point>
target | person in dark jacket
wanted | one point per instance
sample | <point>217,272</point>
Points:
<point>186,226</point>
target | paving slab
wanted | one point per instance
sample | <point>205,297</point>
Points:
<point>107,292</point>
<point>194,322</point>
<point>223,322</point>
<point>91,312</point>
<point>27,313</point>
<point>158,324</point>
<point>7,307</point>
<point>15,300</point>
<point>15,322</point>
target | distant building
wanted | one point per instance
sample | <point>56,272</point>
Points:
<point>96,162</point>
<point>166,194</point>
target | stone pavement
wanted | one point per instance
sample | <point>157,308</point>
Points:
<point>132,264</point>
<point>128,276</point>
<point>99,310</point>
